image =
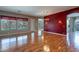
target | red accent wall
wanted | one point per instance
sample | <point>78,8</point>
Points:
<point>57,22</point>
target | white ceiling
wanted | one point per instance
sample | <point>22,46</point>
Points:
<point>36,10</point>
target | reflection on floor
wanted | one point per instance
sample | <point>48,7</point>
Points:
<point>77,39</point>
<point>34,42</point>
<point>56,42</point>
<point>74,41</point>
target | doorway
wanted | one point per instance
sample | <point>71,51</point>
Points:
<point>73,31</point>
<point>40,26</point>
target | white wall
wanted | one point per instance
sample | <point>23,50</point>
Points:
<point>32,23</point>
<point>13,14</point>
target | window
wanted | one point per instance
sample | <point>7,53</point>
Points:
<point>25,25</point>
<point>12,23</point>
<point>4,24</point>
<point>22,24</point>
<point>40,24</point>
<point>19,24</point>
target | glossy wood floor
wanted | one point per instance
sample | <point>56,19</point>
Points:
<point>41,42</point>
<point>56,42</point>
<point>48,43</point>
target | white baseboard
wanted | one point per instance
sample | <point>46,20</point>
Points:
<point>55,33</point>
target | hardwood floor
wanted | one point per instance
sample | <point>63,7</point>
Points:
<point>48,43</point>
<point>45,42</point>
<point>56,42</point>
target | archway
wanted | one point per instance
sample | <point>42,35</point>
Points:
<point>73,30</point>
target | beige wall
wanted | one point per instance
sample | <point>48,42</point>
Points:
<point>33,24</point>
